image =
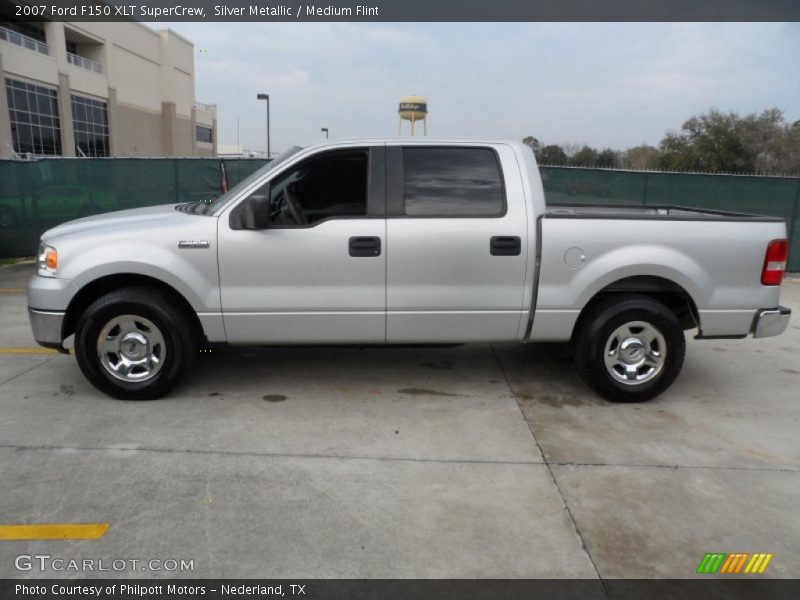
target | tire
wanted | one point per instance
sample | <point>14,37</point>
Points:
<point>629,348</point>
<point>151,343</point>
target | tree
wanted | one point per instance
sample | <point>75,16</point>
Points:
<point>713,141</point>
<point>642,157</point>
<point>552,154</point>
<point>607,159</point>
<point>585,157</point>
<point>725,142</point>
<point>775,144</point>
<point>533,143</point>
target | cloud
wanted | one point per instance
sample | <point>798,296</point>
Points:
<point>605,84</point>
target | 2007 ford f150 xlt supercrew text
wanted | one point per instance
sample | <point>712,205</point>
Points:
<point>403,241</point>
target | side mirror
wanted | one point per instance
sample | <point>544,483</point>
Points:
<point>255,212</point>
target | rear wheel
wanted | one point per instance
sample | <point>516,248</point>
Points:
<point>629,348</point>
<point>135,343</point>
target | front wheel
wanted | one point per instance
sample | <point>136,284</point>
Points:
<point>135,343</point>
<point>629,348</point>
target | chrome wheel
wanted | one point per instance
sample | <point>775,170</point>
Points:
<point>635,353</point>
<point>131,348</point>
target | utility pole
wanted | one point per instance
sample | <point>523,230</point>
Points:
<point>266,97</point>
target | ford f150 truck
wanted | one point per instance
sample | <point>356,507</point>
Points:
<point>403,242</point>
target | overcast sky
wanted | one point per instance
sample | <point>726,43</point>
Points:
<point>615,85</point>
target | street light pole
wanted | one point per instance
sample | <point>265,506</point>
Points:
<point>266,97</point>
<point>325,129</point>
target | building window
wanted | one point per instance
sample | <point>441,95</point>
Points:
<point>90,124</point>
<point>33,112</point>
<point>204,134</point>
<point>32,30</point>
<point>22,35</point>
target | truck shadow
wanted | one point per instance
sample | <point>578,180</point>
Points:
<point>544,374</point>
<point>541,374</point>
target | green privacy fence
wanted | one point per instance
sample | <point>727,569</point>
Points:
<point>37,195</point>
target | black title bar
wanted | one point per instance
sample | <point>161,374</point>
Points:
<point>401,589</point>
<point>404,10</point>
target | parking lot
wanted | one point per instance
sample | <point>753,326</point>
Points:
<point>470,461</point>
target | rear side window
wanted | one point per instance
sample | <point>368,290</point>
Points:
<point>452,182</point>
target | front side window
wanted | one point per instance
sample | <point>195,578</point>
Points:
<point>329,185</point>
<point>90,124</point>
<point>217,205</point>
<point>452,182</point>
<point>33,113</point>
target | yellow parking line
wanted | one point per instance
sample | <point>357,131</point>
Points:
<point>12,290</point>
<point>54,531</point>
<point>28,351</point>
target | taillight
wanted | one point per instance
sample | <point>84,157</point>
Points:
<point>774,263</point>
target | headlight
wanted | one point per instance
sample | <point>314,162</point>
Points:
<point>47,263</point>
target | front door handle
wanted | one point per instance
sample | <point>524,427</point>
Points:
<point>505,245</point>
<point>365,246</point>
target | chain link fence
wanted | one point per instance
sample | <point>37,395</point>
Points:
<point>36,195</point>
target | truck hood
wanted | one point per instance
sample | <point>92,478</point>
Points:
<point>121,222</point>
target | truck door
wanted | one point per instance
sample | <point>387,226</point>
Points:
<point>457,244</point>
<point>317,274</point>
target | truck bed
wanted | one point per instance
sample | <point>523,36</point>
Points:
<point>716,258</point>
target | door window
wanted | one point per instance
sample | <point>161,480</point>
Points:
<point>452,182</point>
<point>331,185</point>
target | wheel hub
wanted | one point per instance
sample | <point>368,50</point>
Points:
<point>131,348</point>
<point>635,353</point>
<point>632,350</point>
<point>134,346</point>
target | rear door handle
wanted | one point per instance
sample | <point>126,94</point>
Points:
<point>505,245</point>
<point>365,246</point>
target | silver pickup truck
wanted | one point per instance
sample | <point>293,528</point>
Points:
<point>403,242</point>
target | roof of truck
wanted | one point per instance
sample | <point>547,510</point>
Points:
<point>432,141</point>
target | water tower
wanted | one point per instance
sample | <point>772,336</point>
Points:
<point>413,109</point>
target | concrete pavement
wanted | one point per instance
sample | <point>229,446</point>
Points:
<point>473,461</point>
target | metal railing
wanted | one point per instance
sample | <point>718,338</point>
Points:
<point>84,63</point>
<point>23,40</point>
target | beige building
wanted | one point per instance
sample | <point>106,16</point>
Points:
<point>100,89</point>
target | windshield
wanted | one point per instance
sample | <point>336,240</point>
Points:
<point>220,202</point>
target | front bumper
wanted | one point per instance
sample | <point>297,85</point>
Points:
<point>771,321</point>
<point>47,327</point>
